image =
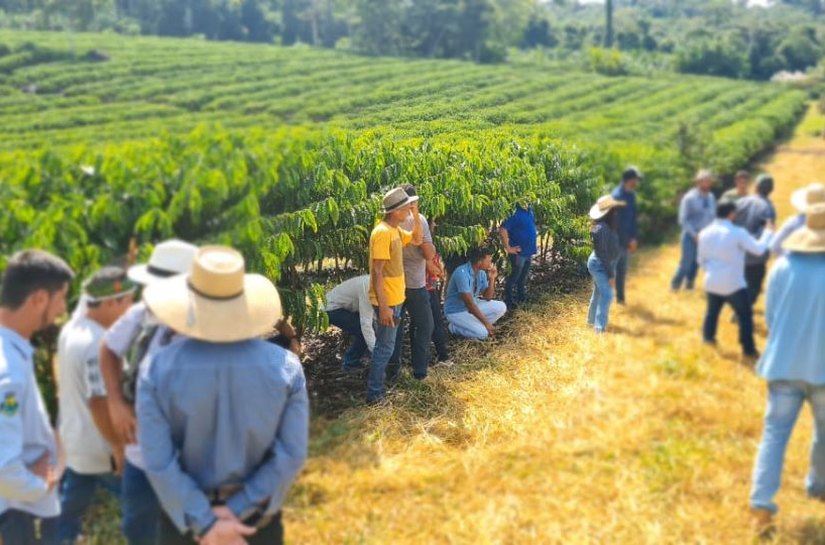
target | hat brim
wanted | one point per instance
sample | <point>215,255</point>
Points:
<point>141,275</point>
<point>805,241</point>
<point>597,213</point>
<point>402,204</point>
<point>252,314</point>
<point>799,200</point>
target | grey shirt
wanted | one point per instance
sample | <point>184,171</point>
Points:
<point>696,211</point>
<point>753,213</point>
<point>415,266</point>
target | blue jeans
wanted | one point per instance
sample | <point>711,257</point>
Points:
<point>688,266</point>
<point>77,493</point>
<point>621,274</point>
<point>350,323</point>
<point>785,400</point>
<point>597,315</point>
<point>417,306</point>
<point>21,528</point>
<point>384,347</point>
<point>140,506</point>
<point>515,288</point>
<point>439,327</point>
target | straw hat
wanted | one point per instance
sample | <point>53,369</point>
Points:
<point>801,199</point>
<point>603,206</point>
<point>811,238</point>
<point>397,198</point>
<point>216,301</point>
<point>169,258</point>
<point>703,174</point>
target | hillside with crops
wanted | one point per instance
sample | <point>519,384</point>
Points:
<point>109,141</point>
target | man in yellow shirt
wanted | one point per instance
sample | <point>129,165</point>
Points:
<point>387,283</point>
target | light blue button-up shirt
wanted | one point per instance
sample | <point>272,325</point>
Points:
<point>213,415</point>
<point>25,431</point>
<point>795,313</point>
<point>696,211</point>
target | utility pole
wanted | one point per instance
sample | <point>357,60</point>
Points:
<point>608,34</point>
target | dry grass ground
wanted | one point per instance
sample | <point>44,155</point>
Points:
<point>555,435</point>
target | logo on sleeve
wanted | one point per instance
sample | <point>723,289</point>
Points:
<point>9,405</point>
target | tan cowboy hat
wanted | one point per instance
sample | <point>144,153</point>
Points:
<point>397,198</point>
<point>811,238</point>
<point>169,258</point>
<point>801,199</point>
<point>216,301</point>
<point>603,206</point>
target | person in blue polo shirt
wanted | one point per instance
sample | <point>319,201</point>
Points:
<point>627,226</point>
<point>470,309</point>
<point>520,239</point>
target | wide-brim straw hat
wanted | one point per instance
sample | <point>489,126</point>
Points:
<point>396,199</point>
<point>169,258</point>
<point>216,302</point>
<point>811,238</point>
<point>604,205</point>
<point>801,199</point>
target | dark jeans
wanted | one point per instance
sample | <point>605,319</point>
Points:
<point>755,276</point>
<point>439,327</point>
<point>140,506</point>
<point>77,493</point>
<point>350,323</point>
<point>740,301</point>
<point>688,266</point>
<point>417,306</point>
<point>271,534</point>
<point>515,288</point>
<point>621,274</point>
<point>21,528</point>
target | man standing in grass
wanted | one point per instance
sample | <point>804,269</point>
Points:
<point>741,187</point>
<point>793,363</point>
<point>32,296</point>
<point>520,239</point>
<point>696,212</point>
<point>722,250</point>
<point>387,284</point>
<point>627,226</point>
<point>417,301</point>
<point>754,213</point>
<point>93,450</point>
<point>470,308</point>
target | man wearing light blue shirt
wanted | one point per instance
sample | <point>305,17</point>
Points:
<point>224,415</point>
<point>696,211</point>
<point>793,363</point>
<point>32,296</point>
<point>469,307</point>
<point>722,250</point>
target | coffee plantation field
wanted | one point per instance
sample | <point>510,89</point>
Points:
<point>284,152</point>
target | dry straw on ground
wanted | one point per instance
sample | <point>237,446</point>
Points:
<point>555,435</point>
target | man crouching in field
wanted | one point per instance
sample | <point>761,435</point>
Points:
<point>224,415</point>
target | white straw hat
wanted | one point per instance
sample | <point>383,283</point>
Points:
<point>811,238</point>
<point>169,258</point>
<point>604,205</point>
<point>216,301</point>
<point>801,199</point>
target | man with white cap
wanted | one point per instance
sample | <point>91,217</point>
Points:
<point>224,415</point>
<point>801,199</point>
<point>387,282</point>
<point>696,211</point>
<point>130,341</point>
<point>793,363</point>
<point>90,442</point>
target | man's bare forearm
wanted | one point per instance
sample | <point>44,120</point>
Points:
<point>112,370</point>
<point>100,414</point>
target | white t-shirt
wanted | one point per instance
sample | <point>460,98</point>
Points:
<point>120,337</point>
<point>78,357</point>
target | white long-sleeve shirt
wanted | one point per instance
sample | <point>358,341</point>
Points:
<point>788,228</point>
<point>25,431</point>
<point>354,295</point>
<point>722,250</point>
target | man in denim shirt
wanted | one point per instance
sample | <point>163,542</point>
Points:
<point>224,415</point>
<point>696,211</point>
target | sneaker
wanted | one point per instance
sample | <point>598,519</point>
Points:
<point>763,525</point>
<point>710,342</point>
<point>444,363</point>
<point>751,359</point>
